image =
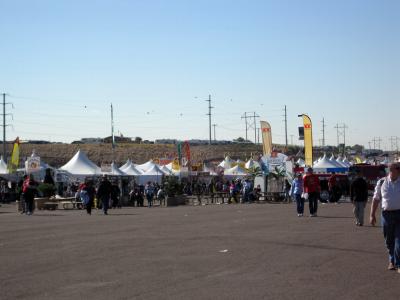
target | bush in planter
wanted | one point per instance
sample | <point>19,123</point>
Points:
<point>172,186</point>
<point>46,190</point>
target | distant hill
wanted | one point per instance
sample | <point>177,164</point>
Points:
<point>58,154</point>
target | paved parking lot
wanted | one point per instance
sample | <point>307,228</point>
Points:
<point>257,251</point>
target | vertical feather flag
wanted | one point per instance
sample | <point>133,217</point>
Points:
<point>14,163</point>
<point>266,137</point>
<point>308,140</point>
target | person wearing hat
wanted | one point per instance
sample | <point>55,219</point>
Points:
<point>296,191</point>
<point>312,188</point>
<point>387,192</point>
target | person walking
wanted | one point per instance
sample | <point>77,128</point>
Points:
<point>29,189</point>
<point>387,192</point>
<point>311,187</point>
<point>296,192</point>
<point>149,192</point>
<point>115,195</point>
<point>359,197</point>
<point>104,193</point>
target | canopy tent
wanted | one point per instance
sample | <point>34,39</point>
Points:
<point>346,162</point>
<point>300,162</point>
<point>146,166</point>
<point>226,163</point>
<point>3,167</point>
<point>334,161</point>
<point>80,165</point>
<point>172,170</point>
<point>252,164</point>
<point>126,165</point>
<point>325,165</point>
<point>339,160</point>
<point>154,174</point>
<point>166,170</point>
<point>236,171</point>
<point>115,171</point>
<point>132,171</point>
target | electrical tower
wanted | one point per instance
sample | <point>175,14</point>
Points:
<point>285,120</point>
<point>251,125</point>
<point>377,143</point>
<point>209,117</point>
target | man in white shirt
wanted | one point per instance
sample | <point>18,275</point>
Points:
<point>387,192</point>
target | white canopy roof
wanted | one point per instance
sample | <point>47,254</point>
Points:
<point>324,163</point>
<point>301,162</point>
<point>334,162</point>
<point>81,165</point>
<point>131,171</point>
<point>166,170</point>
<point>3,166</point>
<point>126,165</point>
<point>115,171</point>
<point>236,171</point>
<point>252,164</point>
<point>155,170</point>
<point>146,166</point>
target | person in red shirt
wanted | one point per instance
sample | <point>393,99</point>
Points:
<point>311,188</point>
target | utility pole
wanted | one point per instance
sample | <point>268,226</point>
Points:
<point>245,120</point>
<point>112,134</point>
<point>286,135</point>
<point>4,126</point>
<point>209,116</point>
<point>255,127</point>
<point>214,125</point>
<point>323,132</point>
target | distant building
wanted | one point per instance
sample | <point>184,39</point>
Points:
<point>92,140</point>
<point>166,141</point>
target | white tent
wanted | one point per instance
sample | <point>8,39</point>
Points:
<point>146,166</point>
<point>334,161</point>
<point>132,171</point>
<point>175,172</point>
<point>166,170</point>
<point>226,163</point>
<point>325,165</point>
<point>80,165</point>
<point>251,164</point>
<point>3,167</point>
<point>154,174</point>
<point>301,162</point>
<point>115,171</point>
<point>236,171</point>
<point>126,165</point>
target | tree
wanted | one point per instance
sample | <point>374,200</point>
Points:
<point>138,140</point>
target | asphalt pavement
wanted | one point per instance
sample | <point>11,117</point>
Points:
<point>238,251</point>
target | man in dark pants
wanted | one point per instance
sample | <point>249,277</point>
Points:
<point>30,190</point>
<point>387,192</point>
<point>115,195</point>
<point>104,193</point>
<point>359,197</point>
<point>311,188</point>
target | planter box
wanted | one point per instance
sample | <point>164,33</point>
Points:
<point>39,202</point>
<point>175,200</point>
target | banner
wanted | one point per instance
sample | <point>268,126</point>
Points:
<point>32,164</point>
<point>308,140</point>
<point>266,137</point>
<point>14,163</point>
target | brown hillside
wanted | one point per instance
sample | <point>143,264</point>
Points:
<point>58,154</point>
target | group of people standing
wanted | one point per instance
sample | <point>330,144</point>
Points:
<point>386,194</point>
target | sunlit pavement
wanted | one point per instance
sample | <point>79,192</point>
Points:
<point>256,251</point>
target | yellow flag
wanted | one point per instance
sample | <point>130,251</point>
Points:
<point>14,163</point>
<point>266,137</point>
<point>175,165</point>
<point>308,140</point>
<point>358,160</point>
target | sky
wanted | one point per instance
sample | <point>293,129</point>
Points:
<point>62,64</point>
